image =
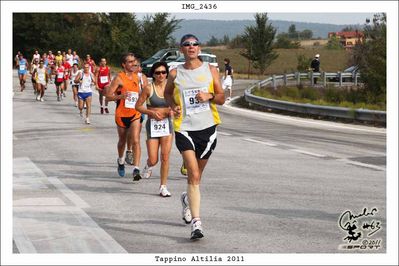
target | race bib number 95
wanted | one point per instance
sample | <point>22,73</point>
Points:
<point>192,105</point>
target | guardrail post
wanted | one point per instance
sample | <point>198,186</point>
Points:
<point>285,79</point>
<point>298,78</point>
<point>311,79</point>
<point>340,78</point>
<point>356,75</point>
<point>324,79</point>
<point>274,81</point>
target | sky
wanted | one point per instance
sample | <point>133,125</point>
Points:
<point>329,18</point>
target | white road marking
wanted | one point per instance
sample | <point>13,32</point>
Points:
<point>366,165</point>
<point>308,153</point>
<point>261,142</point>
<point>44,223</point>
<point>67,192</point>
<point>224,133</point>
<point>297,120</point>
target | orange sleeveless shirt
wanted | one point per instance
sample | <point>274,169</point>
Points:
<point>125,107</point>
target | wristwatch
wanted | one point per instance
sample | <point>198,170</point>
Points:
<point>213,97</point>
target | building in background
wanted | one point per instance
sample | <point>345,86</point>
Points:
<point>348,39</point>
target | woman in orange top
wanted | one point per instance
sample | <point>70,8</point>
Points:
<point>124,89</point>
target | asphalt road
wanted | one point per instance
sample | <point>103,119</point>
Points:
<point>274,184</point>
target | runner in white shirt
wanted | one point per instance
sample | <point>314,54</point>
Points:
<point>69,57</point>
<point>85,91</point>
<point>75,86</point>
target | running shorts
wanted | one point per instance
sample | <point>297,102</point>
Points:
<point>84,95</point>
<point>202,142</point>
<point>125,122</point>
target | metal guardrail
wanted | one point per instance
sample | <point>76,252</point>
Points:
<point>339,112</point>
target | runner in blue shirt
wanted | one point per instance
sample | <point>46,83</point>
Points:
<point>22,66</point>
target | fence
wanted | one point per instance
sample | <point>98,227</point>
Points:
<point>339,112</point>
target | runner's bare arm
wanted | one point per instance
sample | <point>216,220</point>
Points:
<point>219,93</point>
<point>169,93</point>
<point>111,92</point>
<point>77,78</point>
<point>140,102</point>
<point>96,73</point>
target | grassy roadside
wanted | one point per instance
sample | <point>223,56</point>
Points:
<point>331,60</point>
<point>330,96</point>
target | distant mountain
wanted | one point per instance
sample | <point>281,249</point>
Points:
<point>205,29</point>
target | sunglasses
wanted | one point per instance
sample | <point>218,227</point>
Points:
<point>190,43</point>
<point>160,72</point>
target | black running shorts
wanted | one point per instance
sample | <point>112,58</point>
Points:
<point>203,142</point>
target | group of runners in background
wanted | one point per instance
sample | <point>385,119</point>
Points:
<point>63,70</point>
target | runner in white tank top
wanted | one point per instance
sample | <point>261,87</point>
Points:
<point>192,91</point>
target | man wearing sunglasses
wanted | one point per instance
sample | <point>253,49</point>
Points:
<point>192,91</point>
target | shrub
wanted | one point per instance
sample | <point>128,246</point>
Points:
<point>309,93</point>
<point>333,95</point>
<point>292,92</point>
<point>303,62</point>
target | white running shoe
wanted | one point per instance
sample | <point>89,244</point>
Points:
<point>41,99</point>
<point>147,171</point>
<point>76,104</point>
<point>163,191</point>
<point>87,120</point>
<point>196,230</point>
<point>186,214</point>
<point>38,97</point>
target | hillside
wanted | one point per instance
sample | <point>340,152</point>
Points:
<point>205,29</point>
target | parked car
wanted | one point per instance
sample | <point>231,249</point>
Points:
<point>167,55</point>
<point>352,69</point>
<point>205,57</point>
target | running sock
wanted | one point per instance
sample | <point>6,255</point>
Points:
<point>121,161</point>
<point>195,219</point>
<point>194,199</point>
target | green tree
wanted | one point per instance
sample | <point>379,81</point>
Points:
<point>303,62</point>
<point>236,42</point>
<point>54,31</point>
<point>213,41</point>
<point>156,32</point>
<point>258,43</point>
<point>292,33</point>
<point>306,34</point>
<point>121,33</point>
<point>225,40</point>
<point>349,28</point>
<point>286,43</point>
<point>370,56</point>
<point>333,43</point>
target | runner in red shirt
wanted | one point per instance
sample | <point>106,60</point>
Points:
<point>59,80</point>
<point>103,78</point>
<point>51,65</point>
<point>68,68</point>
<point>91,63</point>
